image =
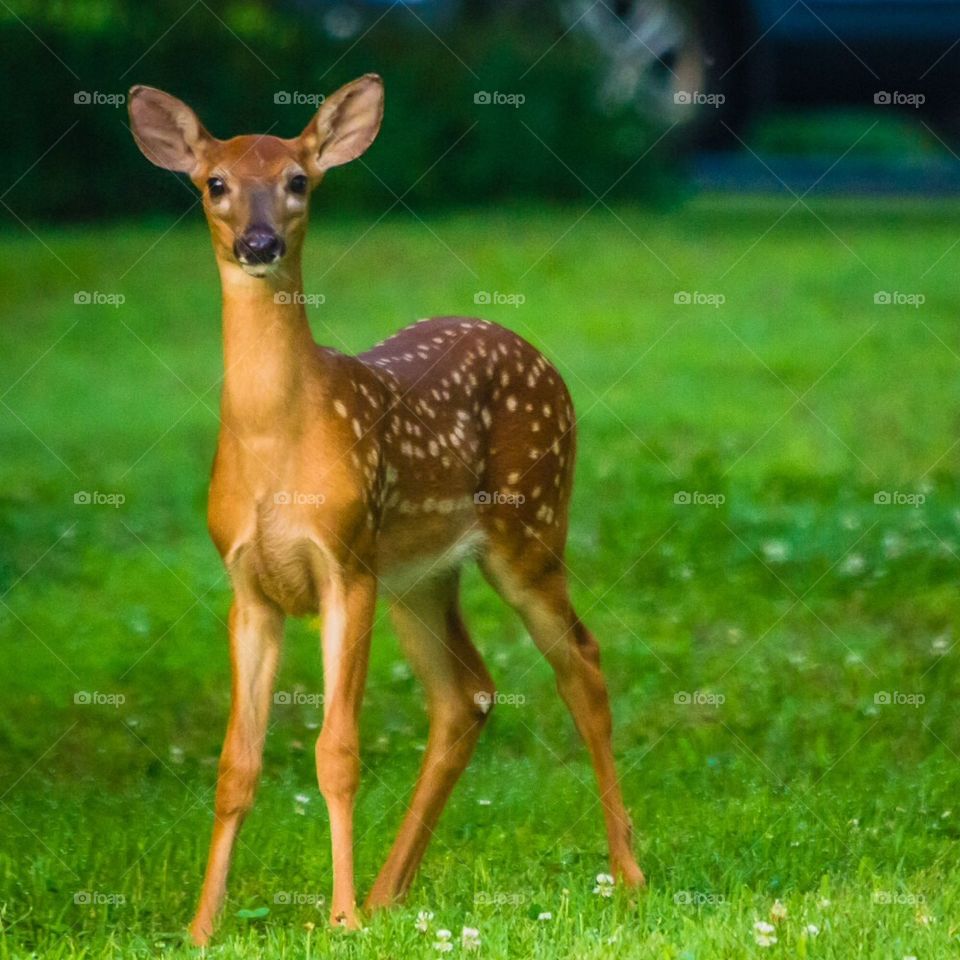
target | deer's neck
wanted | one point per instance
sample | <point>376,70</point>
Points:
<point>267,350</point>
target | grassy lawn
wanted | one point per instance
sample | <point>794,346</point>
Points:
<point>780,649</point>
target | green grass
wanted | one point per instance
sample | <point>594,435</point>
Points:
<point>797,600</point>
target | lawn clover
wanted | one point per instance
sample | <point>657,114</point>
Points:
<point>604,887</point>
<point>545,915</point>
<point>423,920</point>
<point>443,944</point>
<point>778,912</point>
<point>812,930</point>
<point>300,800</point>
<point>470,938</point>
<point>764,933</point>
<point>775,551</point>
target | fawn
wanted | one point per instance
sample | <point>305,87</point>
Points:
<point>335,475</point>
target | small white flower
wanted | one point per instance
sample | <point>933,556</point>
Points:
<point>302,799</point>
<point>764,933</point>
<point>470,938</point>
<point>775,551</point>
<point>778,912</point>
<point>823,903</point>
<point>853,564</point>
<point>423,920</point>
<point>484,802</point>
<point>812,930</point>
<point>604,887</point>
<point>443,944</point>
<point>546,915</point>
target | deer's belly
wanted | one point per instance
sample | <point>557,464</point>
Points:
<point>415,551</point>
<point>290,565</point>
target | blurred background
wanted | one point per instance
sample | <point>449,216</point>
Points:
<point>645,99</point>
<point>733,227</point>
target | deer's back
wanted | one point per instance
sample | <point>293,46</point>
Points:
<point>476,442</point>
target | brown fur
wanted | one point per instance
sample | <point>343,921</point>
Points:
<point>336,475</point>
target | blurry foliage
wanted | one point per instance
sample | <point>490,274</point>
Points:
<point>228,60</point>
<point>854,133</point>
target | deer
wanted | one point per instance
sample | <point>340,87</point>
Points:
<point>337,477</point>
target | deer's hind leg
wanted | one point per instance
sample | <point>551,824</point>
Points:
<point>459,696</point>
<point>531,577</point>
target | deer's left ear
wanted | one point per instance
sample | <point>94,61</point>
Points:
<point>346,124</point>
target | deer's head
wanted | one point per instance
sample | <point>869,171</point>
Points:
<point>256,189</point>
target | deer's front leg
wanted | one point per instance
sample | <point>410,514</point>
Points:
<point>256,633</point>
<point>348,608</point>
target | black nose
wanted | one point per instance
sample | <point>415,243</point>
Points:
<point>258,245</point>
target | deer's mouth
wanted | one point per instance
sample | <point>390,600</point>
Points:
<point>259,269</point>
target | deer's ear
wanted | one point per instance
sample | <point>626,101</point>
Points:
<point>344,126</point>
<point>167,131</point>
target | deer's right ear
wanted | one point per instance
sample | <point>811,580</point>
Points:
<point>167,131</point>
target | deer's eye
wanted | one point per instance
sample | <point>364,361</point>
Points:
<point>217,187</point>
<point>299,184</point>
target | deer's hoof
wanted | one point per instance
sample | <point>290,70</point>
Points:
<point>200,932</point>
<point>345,919</point>
<point>631,876</point>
